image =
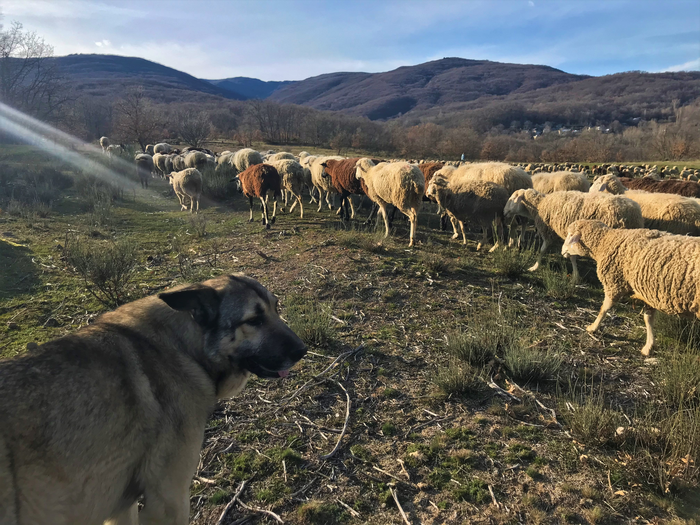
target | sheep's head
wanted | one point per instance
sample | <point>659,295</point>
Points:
<point>577,234</point>
<point>362,166</point>
<point>516,205</point>
<point>237,181</point>
<point>436,184</point>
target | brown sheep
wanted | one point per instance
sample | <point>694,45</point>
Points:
<point>429,169</point>
<point>679,187</point>
<point>342,175</point>
<point>260,180</point>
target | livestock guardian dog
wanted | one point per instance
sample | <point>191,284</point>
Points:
<point>93,421</point>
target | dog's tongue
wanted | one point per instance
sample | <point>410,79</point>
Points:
<point>283,373</point>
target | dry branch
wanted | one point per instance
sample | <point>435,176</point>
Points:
<point>345,426</point>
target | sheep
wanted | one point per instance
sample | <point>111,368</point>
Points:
<point>560,181</point>
<point>115,149</point>
<point>306,162</point>
<point>262,181</point>
<point>292,176</point>
<point>397,183</point>
<point>658,268</point>
<point>104,142</point>
<point>661,211</point>
<point>196,159</point>
<point>321,183</point>
<point>179,163</point>
<point>429,169</point>
<point>149,149</point>
<point>162,147</point>
<point>159,164</point>
<point>303,154</point>
<point>468,200</point>
<point>244,159</point>
<point>342,177</point>
<point>187,183</point>
<point>168,163</point>
<point>144,167</point>
<point>281,156</point>
<point>679,187</point>
<point>554,212</point>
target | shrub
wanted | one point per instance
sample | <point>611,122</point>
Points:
<point>531,365</point>
<point>459,379</point>
<point>557,283</point>
<point>106,269</point>
<point>216,184</point>
<point>310,320</point>
<point>513,262</point>
<point>590,421</point>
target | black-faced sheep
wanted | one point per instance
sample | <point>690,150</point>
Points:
<point>187,184</point>
<point>658,268</point>
<point>261,181</point>
<point>400,184</point>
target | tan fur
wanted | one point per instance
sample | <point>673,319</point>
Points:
<point>292,176</point>
<point>560,181</point>
<point>397,183</point>
<point>187,184</point>
<point>510,177</point>
<point>660,269</point>
<point>244,158</point>
<point>92,421</point>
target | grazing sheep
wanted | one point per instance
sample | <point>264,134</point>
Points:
<point>104,142</point>
<point>321,183</point>
<point>149,149</point>
<point>196,159</point>
<point>658,268</point>
<point>679,187</point>
<point>303,154</point>
<point>342,177</point>
<point>159,164</point>
<point>115,149</point>
<point>262,181</point>
<point>244,159</point>
<point>162,147</point>
<point>292,179</point>
<point>306,162</point>
<point>560,181</point>
<point>661,211</point>
<point>144,167</point>
<point>474,201</point>
<point>400,184</point>
<point>429,169</point>
<point>187,184</point>
<point>554,212</point>
<point>281,156</point>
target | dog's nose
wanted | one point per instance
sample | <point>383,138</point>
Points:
<point>301,352</point>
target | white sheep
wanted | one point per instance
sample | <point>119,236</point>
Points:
<point>322,184</point>
<point>658,268</point>
<point>306,162</point>
<point>560,181</point>
<point>468,200</point>
<point>104,142</point>
<point>661,211</point>
<point>244,159</point>
<point>196,159</point>
<point>187,184</point>
<point>292,179</point>
<point>554,212</point>
<point>179,163</point>
<point>144,167</point>
<point>399,184</point>
<point>280,156</point>
<point>162,147</point>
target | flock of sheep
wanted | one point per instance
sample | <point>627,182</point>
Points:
<point>643,231</point>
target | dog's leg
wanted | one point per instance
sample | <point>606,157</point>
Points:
<point>129,517</point>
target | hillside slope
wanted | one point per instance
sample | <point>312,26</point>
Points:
<point>250,87</point>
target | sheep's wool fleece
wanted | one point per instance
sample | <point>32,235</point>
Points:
<point>245,158</point>
<point>397,183</point>
<point>554,212</point>
<point>560,181</point>
<point>291,174</point>
<point>188,182</point>
<point>473,200</point>
<point>661,269</point>
<point>510,177</point>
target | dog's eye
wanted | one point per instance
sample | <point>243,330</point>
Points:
<point>255,321</point>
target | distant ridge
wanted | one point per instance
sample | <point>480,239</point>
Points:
<point>250,87</point>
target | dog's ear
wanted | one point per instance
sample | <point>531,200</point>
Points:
<point>201,301</point>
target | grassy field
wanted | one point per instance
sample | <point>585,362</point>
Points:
<point>475,394</point>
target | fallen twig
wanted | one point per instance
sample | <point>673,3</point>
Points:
<point>398,505</point>
<point>492,384</point>
<point>345,426</point>
<point>427,423</point>
<point>205,480</point>
<point>493,496</point>
<point>231,503</point>
<point>352,511</point>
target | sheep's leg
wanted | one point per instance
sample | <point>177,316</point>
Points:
<point>484,238</point>
<point>265,220</point>
<point>649,317</point>
<point>499,235</point>
<point>545,245</point>
<point>352,208</point>
<point>328,200</point>
<point>311,194</point>
<point>274,209</point>
<point>382,209</point>
<point>191,204</point>
<point>461,227</point>
<point>301,206</point>
<point>454,221</point>
<point>413,219</point>
<point>320,200</point>
<point>574,275</point>
<point>372,213</point>
<point>607,305</point>
<point>250,203</point>
<point>198,196</point>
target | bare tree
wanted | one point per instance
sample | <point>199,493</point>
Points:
<point>95,117</point>
<point>193,127</point>
<point>136,118</point>
<point>29,79</point>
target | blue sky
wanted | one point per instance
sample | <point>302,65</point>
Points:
<point>292,40</point>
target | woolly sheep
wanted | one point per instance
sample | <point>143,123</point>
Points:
<point>196,159</point>
<point>560,181</point>
<point>244,159</point>
<point>104,142</point>
<point>159,164</point>
<point>149,149</point>
<point>342,177</point>
<point>162,147</point>
<point>179,163</point>
<point>187,183</point>
<point>144,167</point>
<point>397,183</point>
<point>660,269</point>
<point>306,162</point>
<point>468,200</point>
<point>304,154</point>
<point>262,181</point>
<point>281,156</point>
<point>554,212</point>
<point>292,179</point>
<point>321,183</point>
<point>661,211</point>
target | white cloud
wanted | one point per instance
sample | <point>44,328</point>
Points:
<point>531,3</point>
<point>692,65</point>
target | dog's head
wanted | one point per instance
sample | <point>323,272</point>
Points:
<point>241,325</point>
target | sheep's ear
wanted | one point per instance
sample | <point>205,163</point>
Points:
<point>575,238</point>
<point>323,164</point>
<point>603,187</point>
<point>202,302</point>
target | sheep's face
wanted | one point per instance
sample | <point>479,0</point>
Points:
<point>324,173</point>
<point>516,206</point>
<point>573,246</point>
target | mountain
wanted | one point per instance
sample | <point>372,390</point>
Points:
<point>109,75</point>
<point>250,87</point>
<point>418,88</point>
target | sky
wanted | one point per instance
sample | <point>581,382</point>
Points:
<point>297,39</point>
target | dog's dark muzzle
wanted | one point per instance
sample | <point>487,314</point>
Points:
<point>282,349</point>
